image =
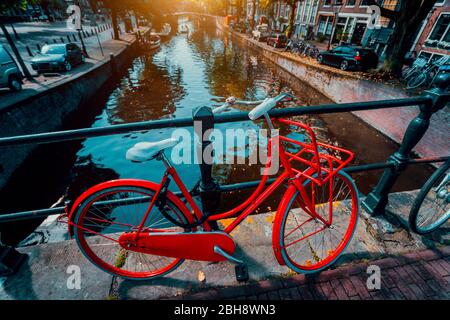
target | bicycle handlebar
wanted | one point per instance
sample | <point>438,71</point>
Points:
<point>261,105</point>
<point>231,101</point>
<point>267,105</point>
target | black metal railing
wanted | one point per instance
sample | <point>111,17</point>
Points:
<point>429,103</point>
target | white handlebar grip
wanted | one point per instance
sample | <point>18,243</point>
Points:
<point>221,108</point>
<point>262,108</point>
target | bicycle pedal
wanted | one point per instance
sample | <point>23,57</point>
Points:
<point>241,272</point>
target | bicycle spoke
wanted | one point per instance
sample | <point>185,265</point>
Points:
<point>308,242</point>
<point>105,215</point>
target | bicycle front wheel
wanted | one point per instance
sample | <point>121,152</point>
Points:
<point>307,243</point>
<point>431,209</point>
<point>103,216</point>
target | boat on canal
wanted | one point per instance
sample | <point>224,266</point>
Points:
<point>164,33</point>
<point>154,42</point>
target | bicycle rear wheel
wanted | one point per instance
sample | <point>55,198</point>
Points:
<point>102,217</point>
<point>431,207</point>
<point>305,243</point>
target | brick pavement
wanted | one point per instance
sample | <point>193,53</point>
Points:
<point>413,276</point>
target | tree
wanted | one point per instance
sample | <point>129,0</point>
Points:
<point>48,6</point>
<point>252,19</point>
<point>239,4</point>
<point>268,5</point>
<point>114,7</point>
<point>407,19</point>
<point>290,27</point>
<point>6,5</point>
<point>154,9</point>
<point>218,7</point>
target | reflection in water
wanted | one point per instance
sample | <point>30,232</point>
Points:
<point>147,92</point>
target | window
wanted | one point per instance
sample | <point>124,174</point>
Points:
<point>329,26</point>
<point>299,11</point>
<point>364,3</point>
<point>429,57</point>
<point>351,3</point>
<point>327,3</point>
<point>4,56</point>
<point>306,12</point>
<point>348,50</point>
<point>312,18</point>
<point>441,30</point>
<point>53,49</point>
<point>338,2</point>
<point>322,24</point>
<point>439,2</point>
<point>338,50</point>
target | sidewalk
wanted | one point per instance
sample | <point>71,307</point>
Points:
<point>43,82</point>
<point>418,275</point>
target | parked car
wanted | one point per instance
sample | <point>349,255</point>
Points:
<point>349,57</point>
<point>239,27</point>
<point>57,57</point>
<point>261,32</point>
<point>10,74</point>
<point>277,40</point>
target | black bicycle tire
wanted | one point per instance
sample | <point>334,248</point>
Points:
<point>421,196</point>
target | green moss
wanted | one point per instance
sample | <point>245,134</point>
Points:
<point>121,258</point>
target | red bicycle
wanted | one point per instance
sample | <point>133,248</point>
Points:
<point>139,229</point>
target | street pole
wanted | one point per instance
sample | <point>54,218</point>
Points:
<point>99,43</point>
<point>15,32</point>
<point>82,43</point>
<point>26,73</point>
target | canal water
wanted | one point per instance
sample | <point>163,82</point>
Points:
<point>200,68</point>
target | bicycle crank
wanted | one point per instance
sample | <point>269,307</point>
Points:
<point>194,245</point>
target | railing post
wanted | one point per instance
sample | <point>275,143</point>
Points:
<point>376,201</point>
<point>209,189</point>
<point>10,260</point>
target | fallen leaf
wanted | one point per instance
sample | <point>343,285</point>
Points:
<point>201,276</point>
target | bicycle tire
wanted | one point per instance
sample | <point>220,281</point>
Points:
<point>279,236</point>
<point>417,81</point>
<point>81,228</point>
<point>418,201</point>
<point>408,73</point>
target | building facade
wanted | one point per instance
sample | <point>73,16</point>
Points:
<point>281,15</point>
<point>378,38</point>
<point>342,20</point>
<point>433,38</point>
<point>305,18</point>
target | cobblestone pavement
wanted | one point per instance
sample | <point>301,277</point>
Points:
<point>418,275</point>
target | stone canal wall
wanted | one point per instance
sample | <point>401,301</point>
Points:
<point>47,110</point>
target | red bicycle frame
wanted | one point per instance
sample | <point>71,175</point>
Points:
<point>314,172</point>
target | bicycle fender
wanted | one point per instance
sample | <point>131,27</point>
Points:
<point>276,231</point>
<point>120,182</point>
